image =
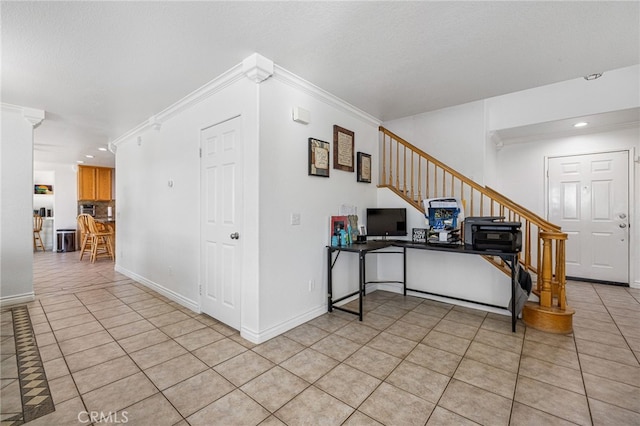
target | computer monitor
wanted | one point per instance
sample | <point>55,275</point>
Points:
<point>389,222</point>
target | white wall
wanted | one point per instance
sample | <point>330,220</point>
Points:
<point>158,237</point>
<point>16,203</point>
<point>291,256</point>
<point>521,169</point>
<point>454,135</point>
<point>159,226</point>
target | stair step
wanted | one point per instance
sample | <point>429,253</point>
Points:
<point>551,320</point>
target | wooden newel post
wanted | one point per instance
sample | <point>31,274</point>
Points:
<point>545,293</point>
<point>560,275</point>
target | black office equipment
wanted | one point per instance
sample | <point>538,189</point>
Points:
<point>494,235</point>
<point>468,221</point>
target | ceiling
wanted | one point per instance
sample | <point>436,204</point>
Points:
<point>99,69</point>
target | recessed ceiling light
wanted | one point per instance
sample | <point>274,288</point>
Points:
<point>580,124</point>
<point>89,156</point>
<point>102,149</point>
<point>80,162</point>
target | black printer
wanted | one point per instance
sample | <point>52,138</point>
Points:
<point>492,234</point>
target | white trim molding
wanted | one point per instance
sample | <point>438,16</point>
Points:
<point>17,299</point>
<point>193,98</point>
<point>257,68</point>
<point>310,89</point>
<point>258,337</point>
<point>187,303</point>
<point>33,116</point>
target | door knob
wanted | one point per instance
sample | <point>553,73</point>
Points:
<point>234,236</point>
<point>623,225</point>
<point>622,215</point>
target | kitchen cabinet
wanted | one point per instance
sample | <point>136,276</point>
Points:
<point>94,183</point>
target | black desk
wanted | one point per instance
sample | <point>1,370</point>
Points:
<point>377,246</point>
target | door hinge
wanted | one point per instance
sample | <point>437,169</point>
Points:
<point>200,152</point>
<point>200,289</point>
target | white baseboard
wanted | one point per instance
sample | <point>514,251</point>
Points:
<point>178,298</point>
<point>263,336</point>
<point>17,299</point>
<point>635,284</point>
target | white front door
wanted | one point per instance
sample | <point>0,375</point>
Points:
<point>589,199</point>
<point>221,221</point>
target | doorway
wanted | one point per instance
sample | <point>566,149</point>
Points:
<point>588,196</point>
<point>221,221</point>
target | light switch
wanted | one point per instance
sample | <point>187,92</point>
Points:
<point>295,218</point>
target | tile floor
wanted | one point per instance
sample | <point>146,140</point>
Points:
<point>114,348</point>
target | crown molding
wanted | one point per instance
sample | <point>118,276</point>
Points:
<point>214,86</point>
<point>257,68</point>
<point>316,92</point>
<point>154,123</point>
<point>33,116</point>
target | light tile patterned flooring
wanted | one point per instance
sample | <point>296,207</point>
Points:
<point>111,346</point>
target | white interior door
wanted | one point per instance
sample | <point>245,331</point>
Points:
<point>221,221</point>
<point>589,198</point>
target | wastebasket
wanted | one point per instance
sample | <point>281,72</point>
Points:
<point>66,239</point>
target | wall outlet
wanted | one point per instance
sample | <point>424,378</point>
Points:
<point>295,218</point>
<point>170,270</point>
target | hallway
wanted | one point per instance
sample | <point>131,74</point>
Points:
<point>115,351</point>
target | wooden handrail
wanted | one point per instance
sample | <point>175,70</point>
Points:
<point>532,217</point>
<point>431,159</point>
<point>439,180</point>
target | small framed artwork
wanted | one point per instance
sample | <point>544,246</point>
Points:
<point>338,223</point>
<point>318,158</point>
<point>364,167</point>
<point>343,149</point>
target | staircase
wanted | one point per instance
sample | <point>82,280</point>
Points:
<point>415,175</point>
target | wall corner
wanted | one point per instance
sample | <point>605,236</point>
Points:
<point>257,68</point>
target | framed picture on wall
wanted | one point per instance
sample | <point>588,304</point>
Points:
<point>364,167</point>
<point>343,149</point>
<point>318,158</point>
<point>43,189</point>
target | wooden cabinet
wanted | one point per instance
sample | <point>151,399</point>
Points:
<point>103,184</point>
<point>94,183</point>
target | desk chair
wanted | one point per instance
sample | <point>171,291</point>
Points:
<point>37,228</point>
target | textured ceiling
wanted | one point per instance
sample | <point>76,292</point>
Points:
<point>100,68</point>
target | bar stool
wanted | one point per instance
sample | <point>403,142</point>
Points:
<point>99,240</point>
<point>37,228</point>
